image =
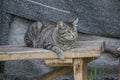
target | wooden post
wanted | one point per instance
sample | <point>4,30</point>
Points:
<point>85,69</point>
<point>80,69</point>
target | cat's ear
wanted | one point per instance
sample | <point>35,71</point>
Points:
<point>39,25</point>
<point>60,24</point>
<point>74,22</point>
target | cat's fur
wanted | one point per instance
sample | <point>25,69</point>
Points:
<point>57,37</point>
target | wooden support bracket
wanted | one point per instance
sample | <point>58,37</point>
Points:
<point>55,73</point>
<point>58,62</point>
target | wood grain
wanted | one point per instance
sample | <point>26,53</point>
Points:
<point>78,69</point>
<point>58,62</point>
<point>82,49</point>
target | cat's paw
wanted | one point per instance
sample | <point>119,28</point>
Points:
<point>118,49</point>
<point>59,52</point>
<point>61,55</point>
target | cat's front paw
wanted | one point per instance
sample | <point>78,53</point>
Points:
<point>118,49</point>
<point>61,54</point>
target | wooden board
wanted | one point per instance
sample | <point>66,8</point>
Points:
<point>82,49</point>
<point>58,62</point>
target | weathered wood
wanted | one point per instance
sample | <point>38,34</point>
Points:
<point>77,57</point>
<point>55,73</point>
<point>82,50</point>
<point>85,68</point>
<point>66,62</point>
<point>58,62</point>
<point>78,69</point>
<point>69,62</point>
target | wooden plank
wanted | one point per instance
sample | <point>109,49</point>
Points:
<point>43,55</point>
<point>58,62</point>
<point>85,49</point>
<point>66,62</point>
<point>87,44</point>
<point>55,73</point>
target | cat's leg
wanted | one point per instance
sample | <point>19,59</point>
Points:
<point>118,49</point>
<point>55,49</point>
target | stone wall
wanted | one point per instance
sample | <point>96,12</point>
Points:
<point>106,63</point>
<point>99,18</point>
<point>96,17</point>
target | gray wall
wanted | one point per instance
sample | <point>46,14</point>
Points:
<point>97,17</point>
<point>107,65</point>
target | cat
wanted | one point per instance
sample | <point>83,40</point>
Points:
<point>57,37</point>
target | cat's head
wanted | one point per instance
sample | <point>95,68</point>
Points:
<point>67,31</point>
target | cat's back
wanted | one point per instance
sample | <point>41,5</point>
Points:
<point>49,24</point>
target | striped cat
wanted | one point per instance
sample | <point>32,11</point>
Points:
<point>57,37</point>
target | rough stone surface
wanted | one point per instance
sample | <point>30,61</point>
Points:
<point>18,28</point>
<point>5,20</point>
<point>106,67</point>
<point>4,32</point>
<point>98,17</point>
<point>106,64</point>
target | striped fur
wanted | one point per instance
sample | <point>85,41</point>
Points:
<point>57,37</point>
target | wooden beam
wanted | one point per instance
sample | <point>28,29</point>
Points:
<point>55,73</point>
<point>82,50</point>
<point>43,55</point>
<point>58,62</point>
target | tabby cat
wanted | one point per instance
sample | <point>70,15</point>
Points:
<point>57,37</point>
